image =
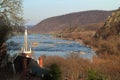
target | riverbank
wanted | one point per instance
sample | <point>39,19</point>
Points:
<point>84,37</point>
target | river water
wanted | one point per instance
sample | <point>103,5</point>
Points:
<point>49,45</point>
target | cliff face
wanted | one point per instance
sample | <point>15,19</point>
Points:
<point>111,26</point>
<point>78,19</point>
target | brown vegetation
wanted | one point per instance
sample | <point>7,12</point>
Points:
<point>109,66</point>
<point>71,68</point>
<point>74,68</point>
<point>78,35</point>
<point>107,38</point>
<point>110,46</point>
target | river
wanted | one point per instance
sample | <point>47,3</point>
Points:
<point>49,45</point>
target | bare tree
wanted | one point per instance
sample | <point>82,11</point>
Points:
<point>11,12</point>
<point>10,17</point>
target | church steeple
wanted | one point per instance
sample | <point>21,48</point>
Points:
<point>26,47</point>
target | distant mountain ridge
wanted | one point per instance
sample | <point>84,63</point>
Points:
<point>78,19</point>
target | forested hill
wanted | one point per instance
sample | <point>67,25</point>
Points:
<point>78,19</point>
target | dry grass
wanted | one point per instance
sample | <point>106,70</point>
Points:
<point>78,35</point>
<point>109,66</point>
<point>77,68</point>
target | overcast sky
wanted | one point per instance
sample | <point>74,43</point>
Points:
<point>38,10</point>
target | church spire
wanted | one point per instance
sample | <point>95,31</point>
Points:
<point>26,48</point>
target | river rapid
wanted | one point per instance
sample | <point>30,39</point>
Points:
<point>48,45</point>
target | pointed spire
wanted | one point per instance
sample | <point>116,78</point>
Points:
<point>26,47</point>
<point>25,40</point>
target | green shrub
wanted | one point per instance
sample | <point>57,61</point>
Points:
<point>95,75</point>
<point>54,73</point>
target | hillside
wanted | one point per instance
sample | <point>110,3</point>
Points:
<point>107,38</point>
<point>79,19</point>
<point>111,26</point>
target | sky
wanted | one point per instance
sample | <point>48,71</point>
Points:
<point>35,11</point>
